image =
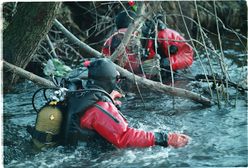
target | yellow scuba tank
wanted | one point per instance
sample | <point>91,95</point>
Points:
<point>56,122</point>
<point>48,125</point>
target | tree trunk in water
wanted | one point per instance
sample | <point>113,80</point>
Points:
<point>21,38</point>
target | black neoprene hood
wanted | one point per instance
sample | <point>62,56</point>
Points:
<point>124,18</point>
<point>103,73</point>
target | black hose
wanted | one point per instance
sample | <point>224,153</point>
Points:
<point>44,94</point>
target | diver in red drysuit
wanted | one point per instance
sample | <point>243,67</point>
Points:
<point>131,50</point>
<point>105,118</point>
<point>172,47</point>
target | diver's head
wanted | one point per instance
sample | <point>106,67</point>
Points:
<point>124,18</point>
<point>102,73</point>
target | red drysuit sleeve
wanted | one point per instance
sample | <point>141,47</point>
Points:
<point>113,127</point>
<point>184,56</point>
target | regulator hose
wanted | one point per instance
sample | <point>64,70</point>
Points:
<point>44,94</point>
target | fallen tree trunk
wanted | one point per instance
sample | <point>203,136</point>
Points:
<point>159,87</point>
<point>136,79</point>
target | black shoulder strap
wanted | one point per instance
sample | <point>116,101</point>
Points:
<point>79,101</point>
<point>104,93</point>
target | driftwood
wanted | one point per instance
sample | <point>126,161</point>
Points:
<point>156,86</point>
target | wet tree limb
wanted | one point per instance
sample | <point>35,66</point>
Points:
<point>27,75</point>
<point>76,41</point>
<point>159,87</point>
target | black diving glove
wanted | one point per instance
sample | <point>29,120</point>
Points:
<point>161,139</point>
<point>175,140</point>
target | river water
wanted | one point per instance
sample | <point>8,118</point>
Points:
<point>218,135</point>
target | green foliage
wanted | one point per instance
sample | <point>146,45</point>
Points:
<point>55,67</point>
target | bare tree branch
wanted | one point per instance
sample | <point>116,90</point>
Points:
<point>76,41</point>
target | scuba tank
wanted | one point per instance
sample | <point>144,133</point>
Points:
<point>49,120</point>
<point>48,128</point>
<point>50,117</point>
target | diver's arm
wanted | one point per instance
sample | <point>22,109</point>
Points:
<point>114,128</point>
<point>106,120</point>
<point>183,56</point>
